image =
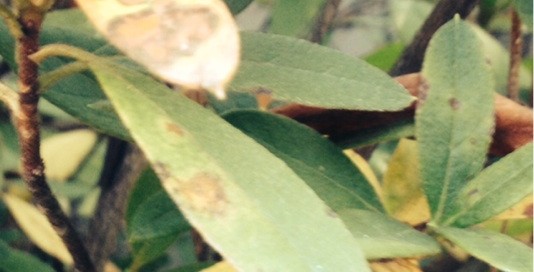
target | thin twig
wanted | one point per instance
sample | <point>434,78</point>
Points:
<point>516,45</point>
<point>324,23</point>
<point>111,208</point>
<point>412,57</point>
<point>27,125</point>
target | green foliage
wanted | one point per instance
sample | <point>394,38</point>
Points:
<point>13,260</point>
<point>332,176</point>
<point>207,177</point>
<point>295,18</point>
<point>455,121</point>
<point>499,250</point>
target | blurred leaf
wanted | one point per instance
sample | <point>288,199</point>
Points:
<point>12,260</point>
<point>317,161</point>
<point>89,172</point>
<point>153,227</point>
<point>37,228</point>
<point>403,194</point>
<point>220,267</point>
<point>191,267</point>
<point>329,79</point>
<point>524,8</point>
<point>146,186</point>
<point>498,58</point>
<point>295,17</point>
<point>497,188</point>
<point>226,193</point>
<point>496,249</point>
<point>10,147</point>
<point>455,121</point>
<point>408,16</point>
<point>366,171</point>
<point>382,237</point>
<point>236,6</point>
<point>380,158</point>
<point>384,58</point>
<point>64,152</point>
<point>396,265</point>
<point>75,93</point>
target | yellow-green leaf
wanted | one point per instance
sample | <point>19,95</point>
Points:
<point>37,228</point>
<point>63,153</point>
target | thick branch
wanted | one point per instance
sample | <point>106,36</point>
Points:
<point>27,124</point>
<point>412,57</point>
<point>111,208</point>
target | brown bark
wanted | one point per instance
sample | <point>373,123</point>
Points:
<point>27,123</point>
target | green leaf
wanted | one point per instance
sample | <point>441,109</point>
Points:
<point>455,121</point>
<point>321,164</point>
<point>295,17</point>
<point>236,6</point>
<point>408,16</point>
<point>383,237</point>
<point>384,58</point>
<point>147,185</point>
<point>496,189</point>
<point>155,225</point>
<point>524,8</point>
<point>12,260</point>
<point>301,72</point>
<point>232,190</point>
<point>496,249</point>
<point>37,227</point>
<point>498,58</point>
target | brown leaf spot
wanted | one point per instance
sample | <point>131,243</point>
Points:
<point>454,103</point>
<point>173,128</point>
<point>528,211</point>
<point>472,192</point>
<point>204,193</point>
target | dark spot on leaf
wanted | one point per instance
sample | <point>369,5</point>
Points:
<point>472,192</point>
<point>454,103</point>
<point>488,61</point>
<point>173,128</point>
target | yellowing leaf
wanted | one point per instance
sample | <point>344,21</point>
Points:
<point>220,267</point>
<point>194,44</point>
<point>37,228</point>
<point>366,170</point>
<point>521,210</point>
<point>63,153</point>
<point>396,265</point>
<point>403,194</point>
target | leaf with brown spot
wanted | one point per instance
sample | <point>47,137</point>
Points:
<point>213,169</point>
